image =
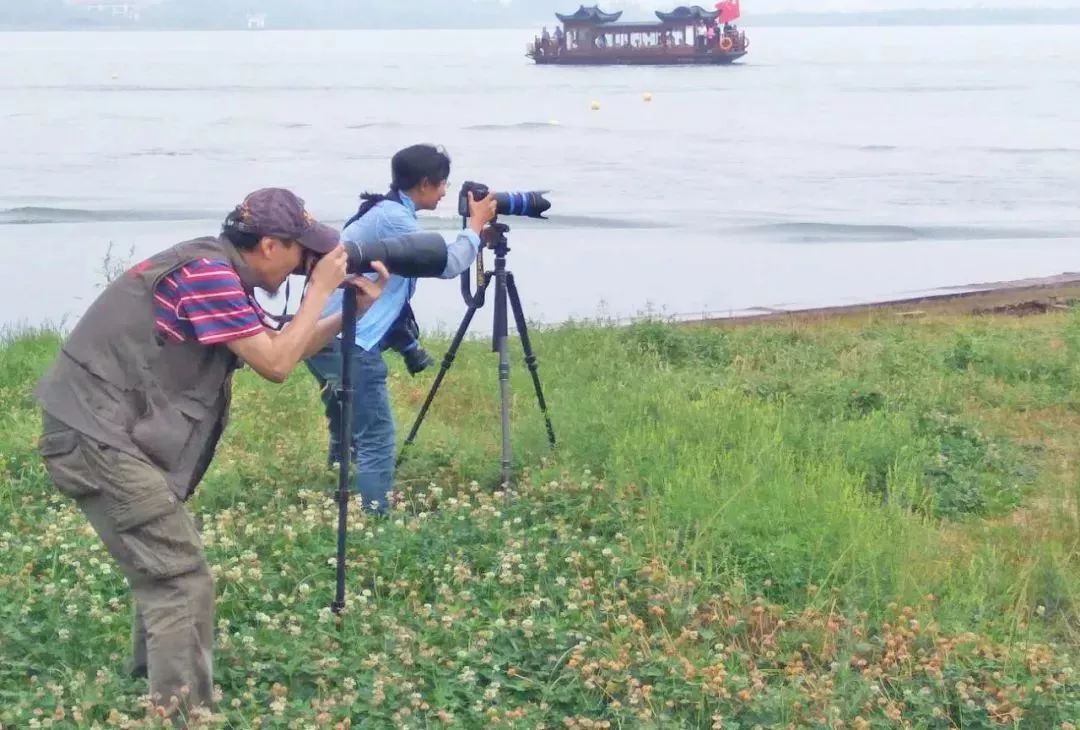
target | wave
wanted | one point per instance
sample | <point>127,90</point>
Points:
<point>942,89</point>
<point>224,89</point>
<point>374,125</point>
<point>515,125</point>
<point>162,152</point>
<point>1031,150</point>
<point>34,215</point>
<point>555,221</point>
<point>806,232</point>
<point>990,150</point>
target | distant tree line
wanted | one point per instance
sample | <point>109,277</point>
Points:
<point>225,14</point>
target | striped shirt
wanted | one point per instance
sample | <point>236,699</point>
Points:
<point>205,301</point>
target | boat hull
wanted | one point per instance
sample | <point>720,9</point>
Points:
<point>631,59</point>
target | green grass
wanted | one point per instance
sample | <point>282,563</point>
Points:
<point>839,525</point>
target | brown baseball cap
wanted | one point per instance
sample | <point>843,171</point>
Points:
<point>281,213</point>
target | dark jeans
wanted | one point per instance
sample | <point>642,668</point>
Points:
<point>373,437</point>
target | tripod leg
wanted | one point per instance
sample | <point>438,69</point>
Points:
<point>345,396</point>
<point>530,358</point>
<point>448,360</point>
<point>501,345</point>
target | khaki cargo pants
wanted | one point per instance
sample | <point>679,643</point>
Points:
<point>155,542</point>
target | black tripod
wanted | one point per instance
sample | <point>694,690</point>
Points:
<point>505,290</point>
<point>344,393</point>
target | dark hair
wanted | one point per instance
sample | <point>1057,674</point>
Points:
<point>231,232</point>
<point>409,167</point>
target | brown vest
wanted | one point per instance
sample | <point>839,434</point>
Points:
<point>120,382</point>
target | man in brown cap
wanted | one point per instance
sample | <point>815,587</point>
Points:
<point>137,399</point>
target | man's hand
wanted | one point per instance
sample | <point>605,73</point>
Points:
<point>481,212</point>
<point>330,270</point>
<point>367,291</point>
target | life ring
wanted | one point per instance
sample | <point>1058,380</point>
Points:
<point>726,44</point>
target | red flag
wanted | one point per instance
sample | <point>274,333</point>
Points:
<point>729,10</point>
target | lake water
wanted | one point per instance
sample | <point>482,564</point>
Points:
<point>832,166</point>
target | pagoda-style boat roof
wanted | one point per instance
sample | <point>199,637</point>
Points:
<point>685,13</point>
<point>590,14</point>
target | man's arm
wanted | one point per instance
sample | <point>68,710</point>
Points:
<point>461,253</point>
<point>325,331</point>
<point>273,355</point>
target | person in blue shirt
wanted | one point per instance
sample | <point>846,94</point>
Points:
<point>419,175</point>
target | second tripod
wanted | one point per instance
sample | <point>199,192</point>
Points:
<point>506,293</point>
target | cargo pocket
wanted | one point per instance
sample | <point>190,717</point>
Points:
<point>157,533</point>
<point>165,430</point>
<point>66,463</point>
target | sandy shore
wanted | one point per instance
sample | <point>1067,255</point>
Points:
<point>1018,298</point>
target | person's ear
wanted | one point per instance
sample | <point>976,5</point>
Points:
<point>266,246</point>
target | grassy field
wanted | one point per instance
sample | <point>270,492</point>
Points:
<point>864,523</point>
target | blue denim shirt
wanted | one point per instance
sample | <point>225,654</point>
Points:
<point>386,220</point>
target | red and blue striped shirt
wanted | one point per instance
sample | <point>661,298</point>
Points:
<point>205,301</point>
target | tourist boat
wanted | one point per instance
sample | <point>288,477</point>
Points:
<point>686,35</point>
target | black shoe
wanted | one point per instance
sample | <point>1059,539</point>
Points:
<point>417,360</point>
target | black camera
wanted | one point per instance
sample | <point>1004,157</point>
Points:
<point>413,255</point>
<point>531,204</point>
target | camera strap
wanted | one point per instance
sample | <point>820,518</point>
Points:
<point>278,322</point>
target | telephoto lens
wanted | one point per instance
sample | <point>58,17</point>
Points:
<point>532,204</point>
<point>414,255</point>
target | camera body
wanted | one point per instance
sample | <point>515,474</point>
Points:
<point>531,204</point>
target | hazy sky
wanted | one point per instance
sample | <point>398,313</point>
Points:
<point>832,5</point>
<point>770,6</point>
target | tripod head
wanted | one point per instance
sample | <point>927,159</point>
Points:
<point>495,238</point>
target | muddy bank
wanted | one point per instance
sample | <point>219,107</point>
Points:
<point>1022,297</point>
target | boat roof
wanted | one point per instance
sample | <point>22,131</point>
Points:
<point>592,14</point>
<point>687,13</point>
<point>643,26</point>
<point>632,25</point>
<point>589,14</point>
